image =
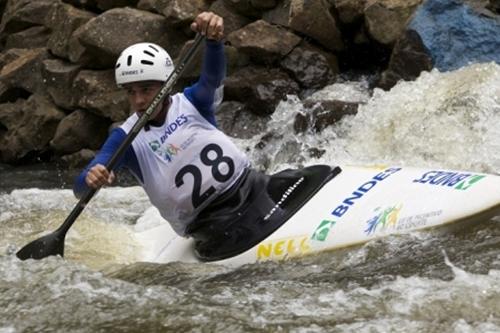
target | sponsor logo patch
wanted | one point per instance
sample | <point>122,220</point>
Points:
<point>166,152</point>
<point>323,229</point>
<point>456,180</point>
<point>283,248</point>
<point>384,218</point>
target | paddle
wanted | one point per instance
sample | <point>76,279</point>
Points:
<point>53,244</point>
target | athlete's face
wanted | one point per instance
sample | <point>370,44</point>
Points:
<point>141,94</point>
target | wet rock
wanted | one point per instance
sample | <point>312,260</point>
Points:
<point>102,45</point>
<point>34,37</point>
<point>243,7</point>
<point>29,126</point>
<point>321,114</point>
<point>183,12</point>
<point>350,11</point>
<point>79,159</point>
<point>494,5</point>
<point>23,14</point>
<point>409,58</point>
<point>109,4</point>
<point>232,20</point>
<point>23,70</point>
<point>310,66</point>
<point>456,34</point>
<point>97,91</point>
<point>260,88</point>
<point>58,75</point>
<point>311,18</point>
<point>249,40</point>
<point>78,130</point>
<point>236,120</point>
<point>386,19</point>
<point>65,20</point>
<point>263,4</point>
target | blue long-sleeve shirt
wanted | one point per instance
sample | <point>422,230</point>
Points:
<point>201,95</point>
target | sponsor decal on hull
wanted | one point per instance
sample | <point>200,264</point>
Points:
<point>384,218</point>
<point>389,219</point>
<point>323,229</point>
<point>321,232</point>
<point>456,180</point>
<point>283,248</point>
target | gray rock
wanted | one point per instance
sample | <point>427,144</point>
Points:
<point>97,91</point>
<point>277,43</point>
<point>78,130</point>
<point>259,88</point>
<point>234,119</point>
<point>102,45</point>
<point>310,66</point>
<point>30,125</point>
<point>34,37</point>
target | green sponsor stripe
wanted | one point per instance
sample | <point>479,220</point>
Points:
<point>465,184</point>
<point>321,232</point>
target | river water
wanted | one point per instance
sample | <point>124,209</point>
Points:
<point>420,282</point>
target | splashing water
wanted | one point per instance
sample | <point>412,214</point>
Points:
<point>447,120</point>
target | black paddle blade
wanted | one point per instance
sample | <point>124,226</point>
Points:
<point>49,245</point>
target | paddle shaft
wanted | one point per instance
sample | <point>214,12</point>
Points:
<point>141,122</point>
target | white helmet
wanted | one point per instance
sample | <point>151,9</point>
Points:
<point>143,62</point>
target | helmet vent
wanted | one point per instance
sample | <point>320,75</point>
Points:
<point>129,60</point>
<point>149,53</point>
<point>154,48</point>
<point>147,62</point>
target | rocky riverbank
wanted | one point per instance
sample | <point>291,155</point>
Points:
<point>58,98</point>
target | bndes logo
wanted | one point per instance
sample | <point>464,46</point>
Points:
<point>135,72</point>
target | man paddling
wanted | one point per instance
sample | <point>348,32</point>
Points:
<point>180,157</point>
<point>201,183</point>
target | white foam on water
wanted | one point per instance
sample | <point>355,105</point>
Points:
<point>446,120</point>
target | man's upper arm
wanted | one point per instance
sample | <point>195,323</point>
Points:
<point>204,92</point>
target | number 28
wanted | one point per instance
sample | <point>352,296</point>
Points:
<point>197,197</point>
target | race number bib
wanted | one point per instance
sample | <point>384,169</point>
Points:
<point>219,167</point>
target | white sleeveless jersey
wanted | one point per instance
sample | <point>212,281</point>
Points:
<point>185,163</point>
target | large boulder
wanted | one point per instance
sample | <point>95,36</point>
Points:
<point>65,20</point>
<point>260,88</point>
<point>263,42</point>
<point>311,66</point>
<point>78,130</point>
<point>58,76</point>
<point>22,14</point>
<point>183,12</point>
<point>456,34</point>
<point>409,58</point>
<point>311,18</point>
<point>386,19</point>
<point>236,120</point>
<point>350,11</point>
<point>102,44</point>
<point>23,71</point>
<point>29,127</point>
<point>96,91</point>
<point>232,20</point>
<point>34,37</point>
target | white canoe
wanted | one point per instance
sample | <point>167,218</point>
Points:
<point>356,206</point>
